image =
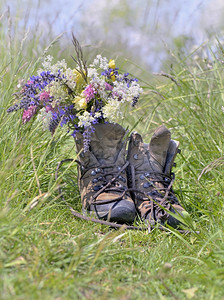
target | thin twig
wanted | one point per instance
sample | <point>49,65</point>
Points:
<point>158,93</point>
<point>216,163</point>
<point>168,76</point>
<point>168,289</point>
<point>111,224</point>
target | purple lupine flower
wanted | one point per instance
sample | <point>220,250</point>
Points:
<point>30,91</point>
<point>61,112</point>
<point>54,121</point>
<point>87,137</point>
<point>64,115</point>
<point>54,115</point>
<point>96,119</point>
<point>74,133</point>
<point>134,101</point>
<point>128,80</point>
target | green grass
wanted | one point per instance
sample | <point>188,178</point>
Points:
<point>46,253</point>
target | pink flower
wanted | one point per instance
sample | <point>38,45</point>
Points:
<point>115,94</point>
<point>44,96</point>
<point>28,113</point>
<point>108,87</point>
<point>29,82</point>
<point>89,93</point>
<point>48,108</point>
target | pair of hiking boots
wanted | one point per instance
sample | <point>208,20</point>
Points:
<point>116,184</point>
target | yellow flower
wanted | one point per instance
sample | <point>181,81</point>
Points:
<point>112,76</point>
<point>112,64</point>
<point>78,78</point>
<point>80,102</point>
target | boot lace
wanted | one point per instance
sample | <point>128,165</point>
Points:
<point>111,224</point>
<point>109,185</point>
<point>159,200</point>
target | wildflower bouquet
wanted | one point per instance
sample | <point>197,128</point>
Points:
<point>79,97</point>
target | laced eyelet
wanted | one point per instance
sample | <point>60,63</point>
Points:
<point>135,156</point>
<point>97,188</point>
<point>122,178</point>
<point>120,185</point>
<point>147,184</point>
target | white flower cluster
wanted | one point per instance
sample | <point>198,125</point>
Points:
<point>134,91</point>
<point>58,90</point>
<point>86,119</point>
<point>99,86</point>
<point>44,118</point>
<point>121,90</point>
<point>101,62</point>
<point>92,72</point>
<point>127,93</point>
<point>70,78</point>
<point>47,65</point>
<point>112,110</point>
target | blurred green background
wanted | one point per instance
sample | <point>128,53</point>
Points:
<point>142,30</point>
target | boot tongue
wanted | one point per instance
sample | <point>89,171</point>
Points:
<point>158,146</point>
<point>107,142</point>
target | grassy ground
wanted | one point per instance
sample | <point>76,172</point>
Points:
<point>46,253</point>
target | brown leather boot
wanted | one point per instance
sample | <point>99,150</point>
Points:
<point>150,177</point>
<point>102,174</point>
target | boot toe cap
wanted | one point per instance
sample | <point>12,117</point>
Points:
<point>172,220</point>
<point>122,211</point>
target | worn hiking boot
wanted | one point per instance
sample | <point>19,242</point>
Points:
<point>150,177</point>
<point>102,176</point>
